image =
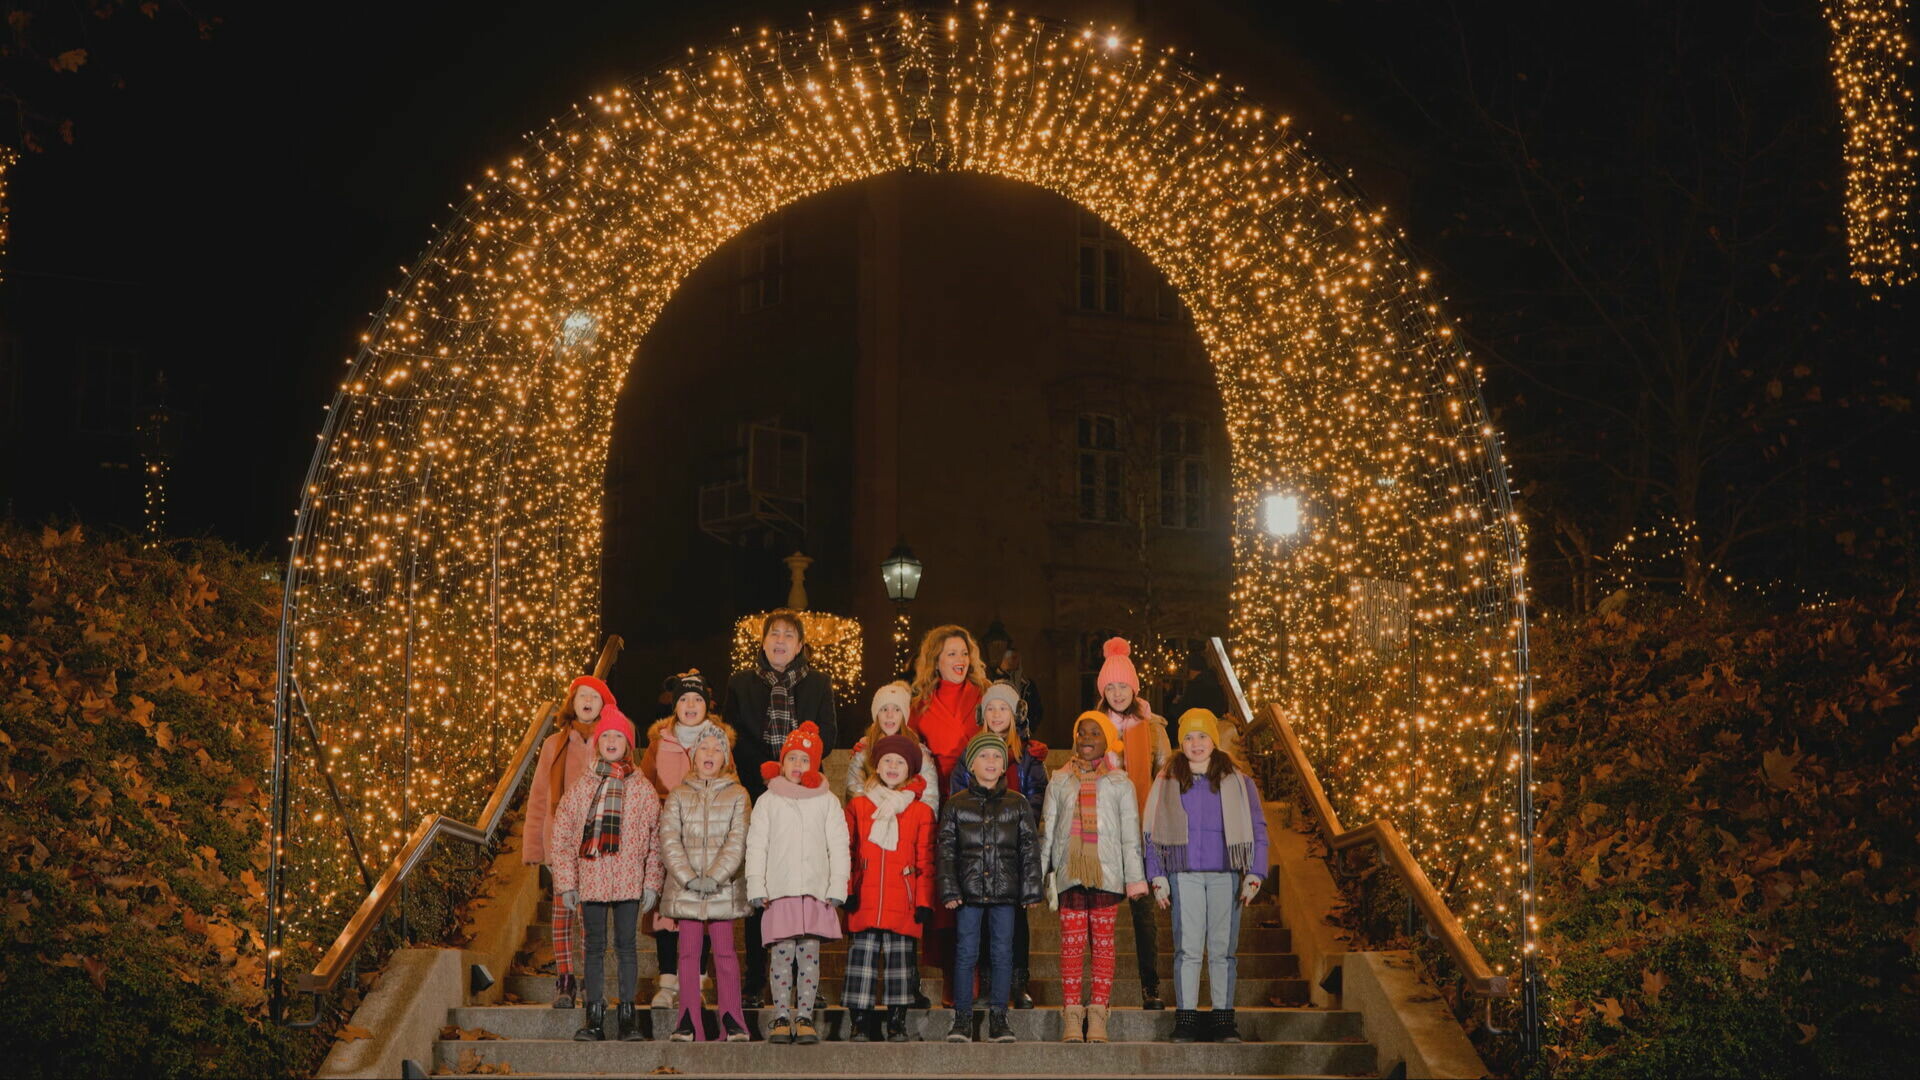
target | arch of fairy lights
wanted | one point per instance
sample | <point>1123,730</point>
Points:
<point>444,576</point>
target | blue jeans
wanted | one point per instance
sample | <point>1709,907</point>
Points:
<point>1206,924</point>
<point>966,955</point>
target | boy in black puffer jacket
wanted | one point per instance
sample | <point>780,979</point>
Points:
<point>989,865</point>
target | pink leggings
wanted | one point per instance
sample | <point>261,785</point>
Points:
<point>726,971</point>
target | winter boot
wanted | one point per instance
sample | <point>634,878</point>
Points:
<point>626,1021</point>
<point>595,1029</point>
<point>1150,997</point>
<point>857,1026</point>
<point>565,988</point>
<point>998,1030</point>
<point>1221,1028</point>
<point>667,992</point>
<point>1021,998</point>
<point>962,1029</point>
<point>803,1030</point>
<point>733,1030</point>
<point>683,1031</point>
<point>1186,1025</point>
<point>1096,1023</point>
<point>782,1031</point>
<point>896,1023</point>
<point>1073,1023</point>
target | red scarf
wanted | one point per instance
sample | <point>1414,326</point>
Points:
<point>945,721</point>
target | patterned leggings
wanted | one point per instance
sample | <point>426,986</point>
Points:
<point>1087,913</point>
<point>788,954</point>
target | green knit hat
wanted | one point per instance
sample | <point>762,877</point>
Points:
<point>986,740</point>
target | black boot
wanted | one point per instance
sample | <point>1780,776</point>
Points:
<point>628,1023</point>
<point>595,1029</point>
<point>1221,1028</point>
<point>1150,997</point>
<point>896,1023</point>
<point>857,1024</point>
<point>683,1031</point>
<point>563,991</point>
<point>1186,1025</point>
<point>1021,999</point>
<point>998,1030</point>
<point>962,1029</point>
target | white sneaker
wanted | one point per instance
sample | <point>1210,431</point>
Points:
<point>668,994</point>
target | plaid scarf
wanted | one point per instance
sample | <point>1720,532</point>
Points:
<point>601,836</point>
<point>780,684</point>
<point>1083,856</point>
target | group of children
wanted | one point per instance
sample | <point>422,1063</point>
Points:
<point>951,829</point>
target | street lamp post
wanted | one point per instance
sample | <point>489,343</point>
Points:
<point>901,573</point>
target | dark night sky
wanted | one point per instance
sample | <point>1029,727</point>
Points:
<point>259,190</point>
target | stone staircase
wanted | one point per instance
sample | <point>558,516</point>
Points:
<point>1283,1036</point>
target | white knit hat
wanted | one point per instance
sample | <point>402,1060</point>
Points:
<point>894,693</point>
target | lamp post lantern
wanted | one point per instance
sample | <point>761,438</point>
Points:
<point>901,573</point>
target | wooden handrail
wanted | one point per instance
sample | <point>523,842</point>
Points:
<point>1393,849</point>
<point>327,973</point>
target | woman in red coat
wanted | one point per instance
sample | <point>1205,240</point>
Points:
<point>948,681</point>
<point>890,891</point>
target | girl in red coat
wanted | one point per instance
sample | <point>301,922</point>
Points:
<point>890,896</point>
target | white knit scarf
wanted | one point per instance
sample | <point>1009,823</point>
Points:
<point>887,805</point>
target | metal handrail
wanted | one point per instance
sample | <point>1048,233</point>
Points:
<point>333,965</point>
<point>1479,977</point>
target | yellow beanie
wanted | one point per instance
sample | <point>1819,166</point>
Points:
<point>1200,720</point>
<point>1106,728</point>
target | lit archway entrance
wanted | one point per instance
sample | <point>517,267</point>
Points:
<point>444,575</point>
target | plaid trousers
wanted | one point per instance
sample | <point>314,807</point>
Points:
<point>880,970</point>
<point>569,944</point>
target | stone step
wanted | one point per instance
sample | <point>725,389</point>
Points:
<point>1253,938</point>
<point>1248,990</point>
<point>1041,964</point>
<point>917,1059</point>
<point>1260,1024</point>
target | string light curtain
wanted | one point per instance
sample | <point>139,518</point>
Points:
<point>444,578</point>
<point>1873,67</point>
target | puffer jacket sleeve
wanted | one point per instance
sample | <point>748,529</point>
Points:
<point>1134,871</point>
<point>533,847</point>
<point>733,848</point>
<point>756,859</point>
<point>673,839</point>
<point>930,772</point>
<point>563,847</point>
<point>850,784</point>
<point>1030,892</point>
<point>1050,823</point>
<point>923,864</point>
<point>856,871</point>
<point>946,852</point>
<point>839,859</point>
<point>652,872</point>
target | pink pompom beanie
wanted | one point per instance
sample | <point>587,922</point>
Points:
<point>1117,669</point>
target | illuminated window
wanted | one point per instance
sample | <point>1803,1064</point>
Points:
<point>762,270</point>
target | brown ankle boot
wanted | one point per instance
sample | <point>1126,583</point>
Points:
<point>1073,1021</point>
<point>1096,1023</point>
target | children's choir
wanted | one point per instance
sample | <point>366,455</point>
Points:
<point>951,829</point>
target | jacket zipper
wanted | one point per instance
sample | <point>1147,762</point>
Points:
<point>881,908</point>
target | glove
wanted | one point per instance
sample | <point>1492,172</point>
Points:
<point>1162,892</point>
<point>923,915</point>
<point>703,885</point>
<point>647,900</point>
<point>1251,889</point>
<point>571,899</point>
<point>851,904</point>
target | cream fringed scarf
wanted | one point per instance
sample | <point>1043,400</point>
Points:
<point>888,803</point>
<point>1167,822</point>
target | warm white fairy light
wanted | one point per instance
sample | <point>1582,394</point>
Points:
<point>447,551</point>
<point>1873,67</point>
<point>8,158</point>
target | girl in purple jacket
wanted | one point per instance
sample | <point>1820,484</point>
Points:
<point>1205,834</point>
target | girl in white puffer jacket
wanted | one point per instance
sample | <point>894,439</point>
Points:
<point>797,867</point>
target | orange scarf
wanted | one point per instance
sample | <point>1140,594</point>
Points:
<point>1138,744</point>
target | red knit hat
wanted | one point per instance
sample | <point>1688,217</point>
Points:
<point>1117,668</point>
<point>598,687</point>
<point>805,737</point>
<point>612,719</point>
